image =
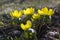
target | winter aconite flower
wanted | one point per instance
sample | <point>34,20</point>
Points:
<point>28,11</point>
<point>41,12</point>
<point>27,25</point>
<point>16,14</point>
<point>45,11</point>
<point>35,16</point>
<point>51,12</point>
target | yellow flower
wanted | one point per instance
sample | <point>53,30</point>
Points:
<point>51,12</point>
<point>16,14</point>
<point>23,27</point>
<point>41,12</point>
<point>27,25</point>
<point>45,11</point>
<point>35,16</point>
<point>28,11</point>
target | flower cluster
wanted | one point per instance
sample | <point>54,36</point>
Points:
<point>34,15</point>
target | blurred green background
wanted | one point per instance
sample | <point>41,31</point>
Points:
<point>8,5</point>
